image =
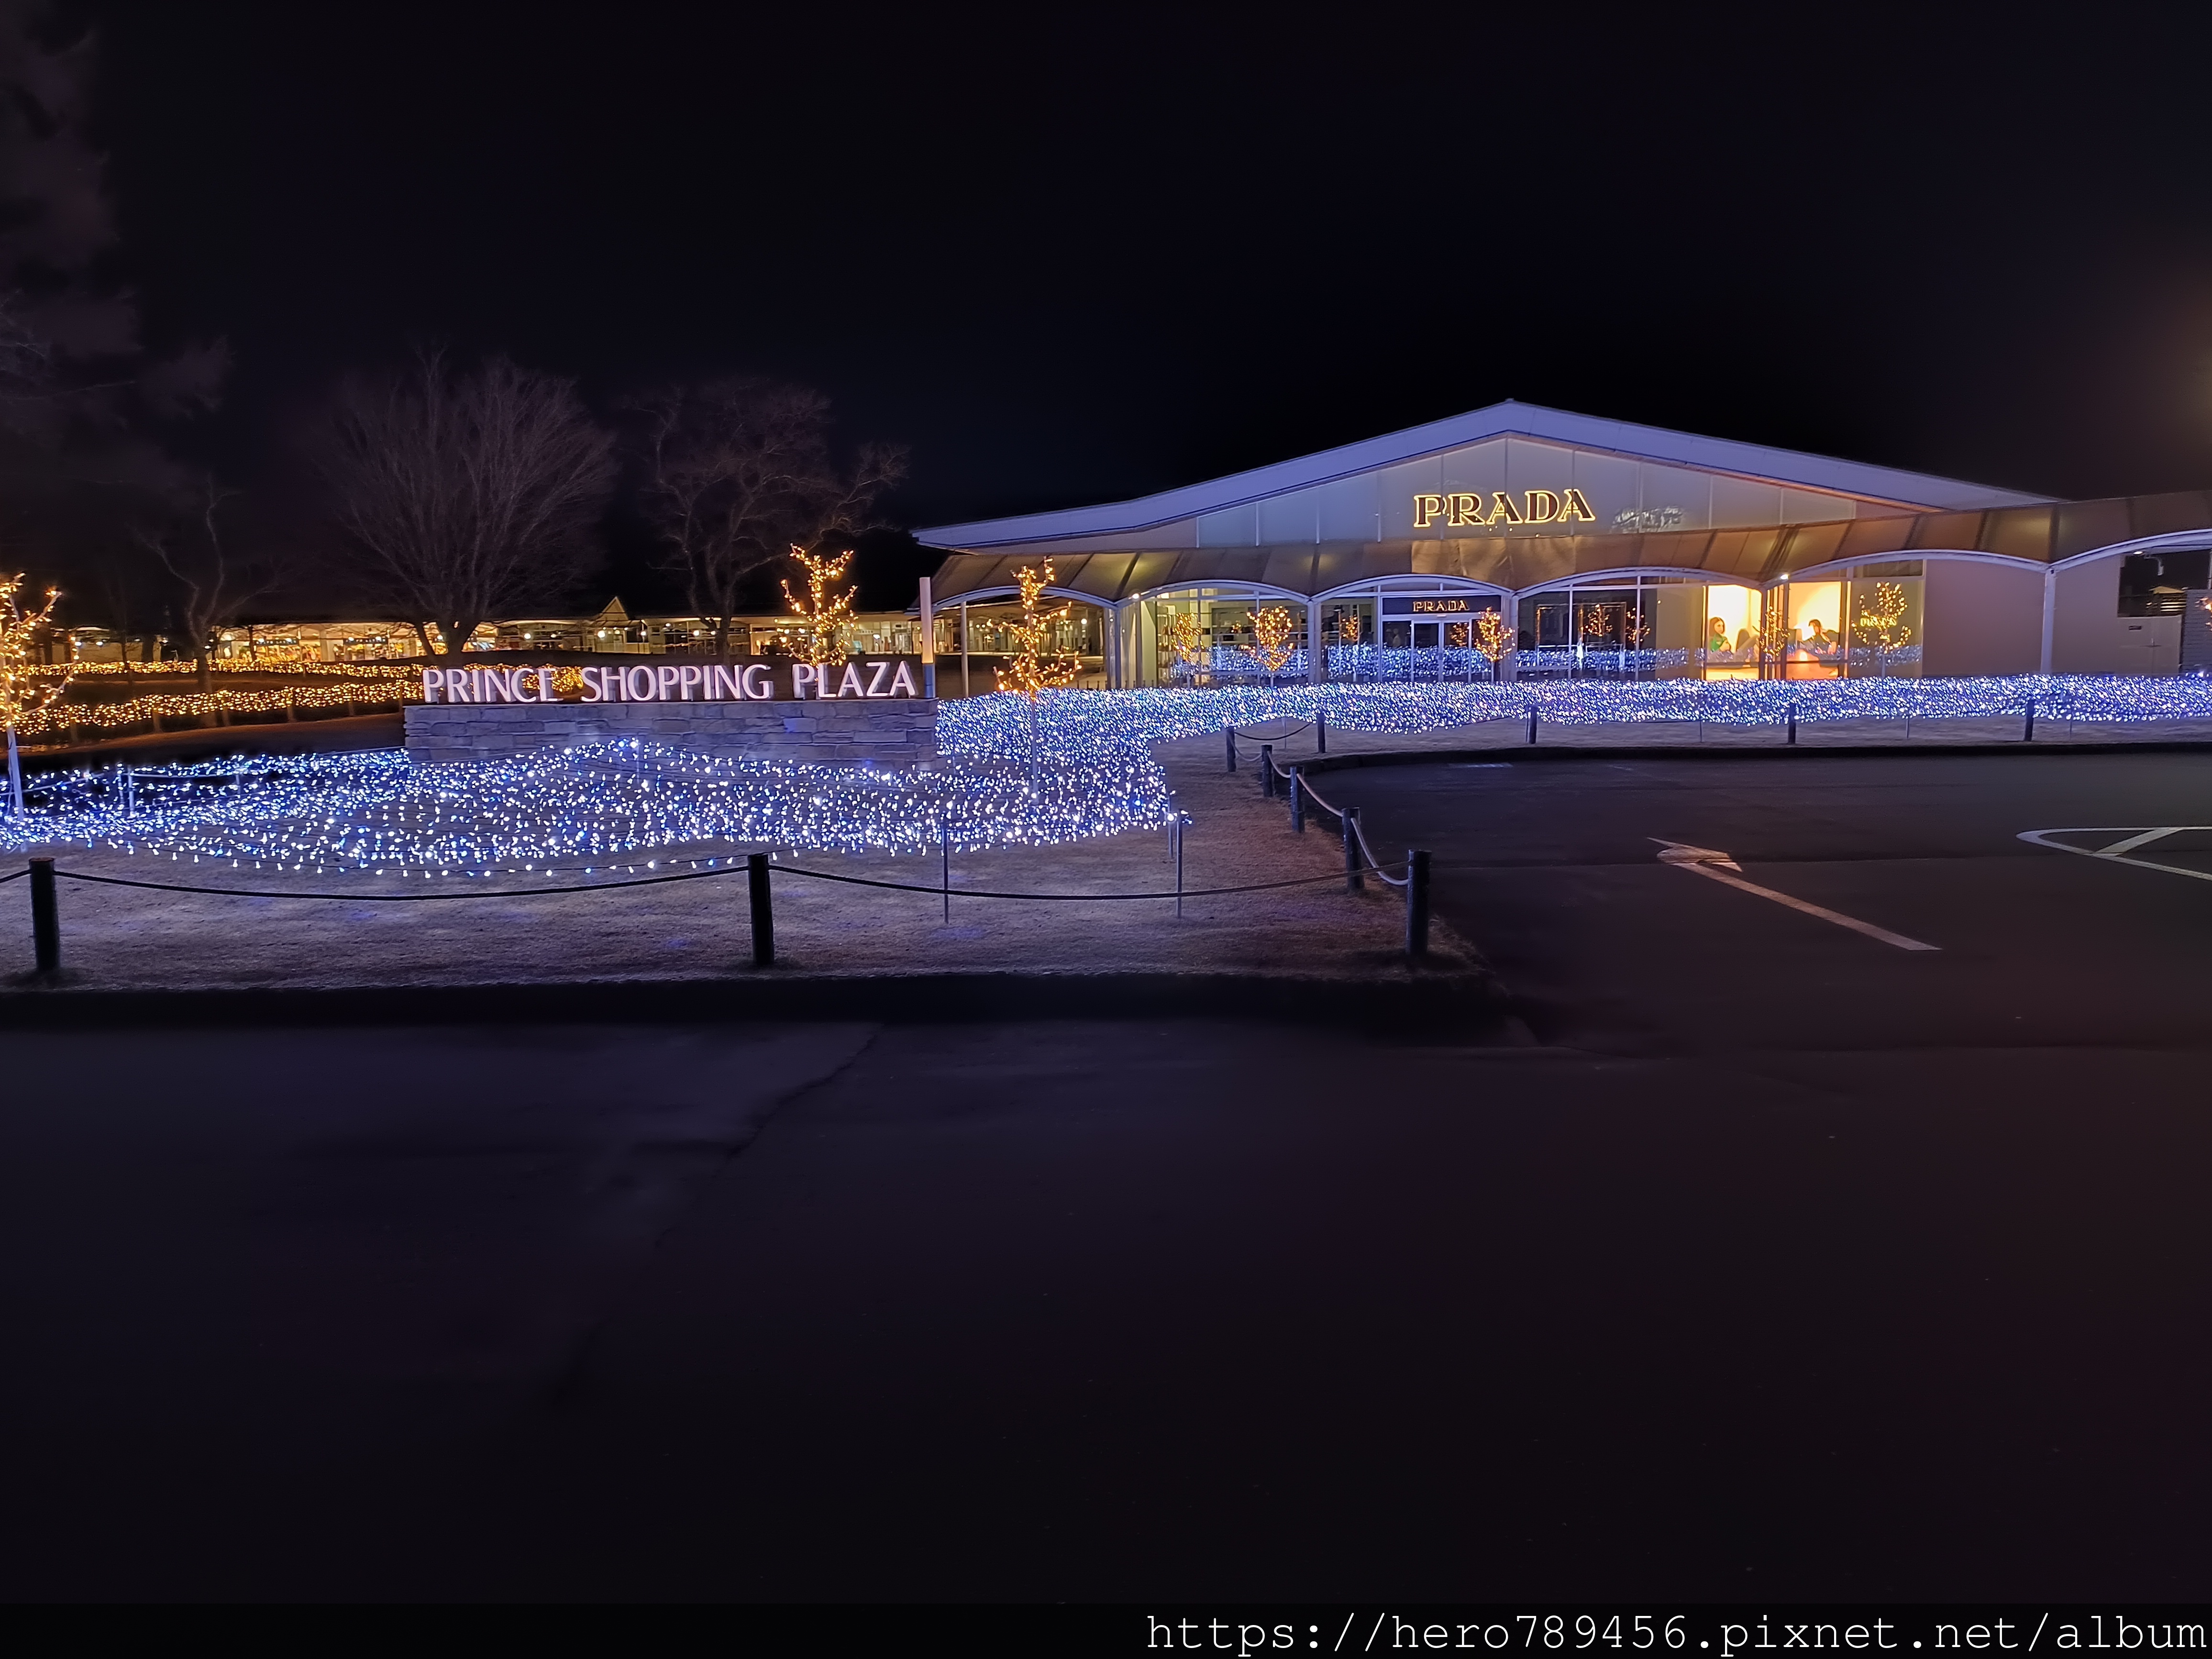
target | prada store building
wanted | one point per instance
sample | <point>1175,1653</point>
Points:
<point>1517,541</point>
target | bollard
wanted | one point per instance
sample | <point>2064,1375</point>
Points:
<point>2028,735</point>
<point>1353,881</point>
<point>1793,725</point>
<point>1532,722</point>
<point>1179,825</point>
<point>1321,730</point>
<point>1297,803</point>
<point>1230,733</point>
<point>945,863</point>
<point>1417,902</point>
<point>764,910</point>
<point>1267,770</point>
<point>130,793</point>
<point>45,920</point>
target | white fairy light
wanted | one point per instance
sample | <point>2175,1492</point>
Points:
<point>608,809</point>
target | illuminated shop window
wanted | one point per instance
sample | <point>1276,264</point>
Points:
<point>1884,626</point>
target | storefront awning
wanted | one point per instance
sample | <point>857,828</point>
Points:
<point>2035,534</point>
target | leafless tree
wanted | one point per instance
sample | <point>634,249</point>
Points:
<point>212,585</point>
<point>464,496</point>
<point>738,473</point>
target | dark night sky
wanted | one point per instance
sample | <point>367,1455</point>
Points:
<point>1134,252</point>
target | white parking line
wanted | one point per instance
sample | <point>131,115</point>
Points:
<point>1705,861</point>
<point>2131,837</point>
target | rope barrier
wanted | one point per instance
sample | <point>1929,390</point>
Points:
<point>965,892</point>
<point>1358,833</point>
<point>395,898</point>
<point>686,875</point>
<point>1275,736</point>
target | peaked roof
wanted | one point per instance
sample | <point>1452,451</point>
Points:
<point>1905,490</point>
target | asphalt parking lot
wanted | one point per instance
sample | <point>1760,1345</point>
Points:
<point>1556,867</point>
<point>1782,1263</point>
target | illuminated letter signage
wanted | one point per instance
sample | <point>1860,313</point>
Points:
<point>753,681</point>
<point>1468,511</point>
<point>1446,604</point>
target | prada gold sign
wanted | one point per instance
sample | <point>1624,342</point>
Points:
<point>1535,506</point>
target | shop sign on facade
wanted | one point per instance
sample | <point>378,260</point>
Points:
<point>754,682</point>
<point>1448,604</point>
<point>1466,512</point>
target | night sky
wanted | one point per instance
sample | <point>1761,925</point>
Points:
<point>1131,253</point>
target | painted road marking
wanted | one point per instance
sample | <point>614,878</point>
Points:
<point>1705,861</point>
<point>2131,838</point>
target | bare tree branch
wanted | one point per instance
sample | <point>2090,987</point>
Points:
<point>739,472</point>
<point>465,496</point>
<point>212,588</point>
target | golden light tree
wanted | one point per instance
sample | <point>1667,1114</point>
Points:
<point>1597,627</point>
<point>827,606</point>
<point>1272,628</point>
<point>1881,625</point>
<point>1184,642</point>
<point>1037,668</point>
<point>1635,628</point>
<point>1492,639</point>
<point>25,689</point>
<point>1776,635</point>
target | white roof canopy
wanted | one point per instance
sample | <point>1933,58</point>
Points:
<point>1869,488</point>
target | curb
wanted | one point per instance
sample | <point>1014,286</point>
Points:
<point>1456,1001</point>
<point>1513,754</point>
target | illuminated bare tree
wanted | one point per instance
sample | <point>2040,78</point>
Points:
<point>24,691</point>
<point>1273,628</point>
<point>465,497</point>
<point>738,475</point>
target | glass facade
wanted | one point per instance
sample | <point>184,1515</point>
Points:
<point>1866,624</point>
<point>1216,638</point>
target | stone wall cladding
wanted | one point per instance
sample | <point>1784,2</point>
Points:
<point>888,731</point>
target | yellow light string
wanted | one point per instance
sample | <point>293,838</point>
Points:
<point>1034,670</point>
<point>826,608</point>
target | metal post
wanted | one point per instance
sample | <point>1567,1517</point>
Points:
<point>130,793</point>
<point>1267,770</point>
<point>944,866</point>
<point>1793,725</point>
<point>1353,881</point>
<point>1297,803</point>
<point>926,627</point>
<point>1180,821</point>
<point>45,920</point>
<point>2028,734</point>
<point>1230,733</point>
<point>1417,902</point>
<point>964,648</point>
<point>1532,722</point>
<point>1320,730</point>
<point>764,910</point>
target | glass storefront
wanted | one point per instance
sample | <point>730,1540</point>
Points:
<point>1601,632</point>
<point>1210,639</point>
<point>1803,630</point>
<point>1868,624</point>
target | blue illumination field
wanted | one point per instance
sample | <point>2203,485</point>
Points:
<point>624,806</point>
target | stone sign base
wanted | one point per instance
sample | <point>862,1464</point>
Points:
<point>890,732</point>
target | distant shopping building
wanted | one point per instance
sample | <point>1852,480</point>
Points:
<point>609,631</point>
<point>1612,549</point>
